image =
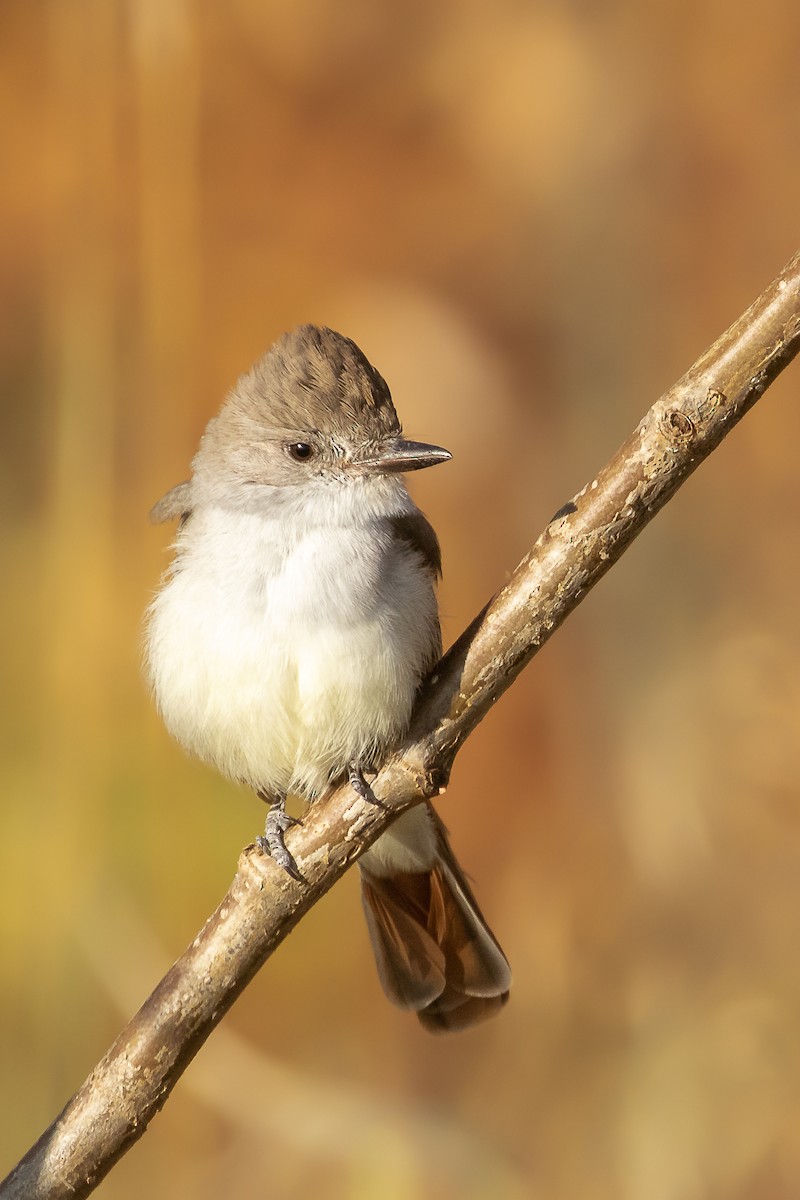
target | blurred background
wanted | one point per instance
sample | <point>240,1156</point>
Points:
<point>532,217</point>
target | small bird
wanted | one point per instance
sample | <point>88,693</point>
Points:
<point>290,636</point>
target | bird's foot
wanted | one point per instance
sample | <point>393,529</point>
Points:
<point>361,788</point>
<point>272,841</point>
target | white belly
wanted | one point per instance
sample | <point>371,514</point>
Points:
<point>283,669</point>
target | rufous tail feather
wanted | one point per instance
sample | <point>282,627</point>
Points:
<point>434,951</point>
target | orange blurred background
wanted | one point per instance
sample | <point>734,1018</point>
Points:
<point>532,218</point>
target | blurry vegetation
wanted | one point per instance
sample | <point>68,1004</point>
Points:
<point>532,217</point>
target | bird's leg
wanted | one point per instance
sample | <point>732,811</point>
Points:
<point>272,842</point>
<point>355,777</point>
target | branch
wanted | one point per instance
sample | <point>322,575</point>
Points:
<point>263,904</point>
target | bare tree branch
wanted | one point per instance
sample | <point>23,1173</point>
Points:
<point>263,904</point>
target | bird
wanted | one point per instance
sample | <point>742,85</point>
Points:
<point>291,633</point>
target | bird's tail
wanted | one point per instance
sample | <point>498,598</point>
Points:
<point>434,951</point>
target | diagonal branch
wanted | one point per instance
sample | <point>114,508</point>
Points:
<point>263,904</point>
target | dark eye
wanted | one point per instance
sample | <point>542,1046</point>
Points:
<point>300,451</point>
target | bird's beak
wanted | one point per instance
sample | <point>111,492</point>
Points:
<point>396,455</point>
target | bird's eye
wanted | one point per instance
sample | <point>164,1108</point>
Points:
<point>300,451</point>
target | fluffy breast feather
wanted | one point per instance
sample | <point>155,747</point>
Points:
<point>282,659</point>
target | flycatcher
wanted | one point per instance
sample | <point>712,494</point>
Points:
<point>294,627</point>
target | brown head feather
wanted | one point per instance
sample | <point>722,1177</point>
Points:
<point>317,379</point>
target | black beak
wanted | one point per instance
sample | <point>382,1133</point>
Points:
<point>396,455</point>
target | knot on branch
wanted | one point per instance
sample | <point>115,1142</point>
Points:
<point>677,427</point>
<point>435,780</point>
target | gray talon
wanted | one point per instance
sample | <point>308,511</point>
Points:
<point>361,788</point>
<point>272,841</point>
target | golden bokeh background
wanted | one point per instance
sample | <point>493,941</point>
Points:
<point>532,217</point>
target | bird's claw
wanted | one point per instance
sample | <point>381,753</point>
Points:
<point>361,788</point>
<point>272,840</point>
